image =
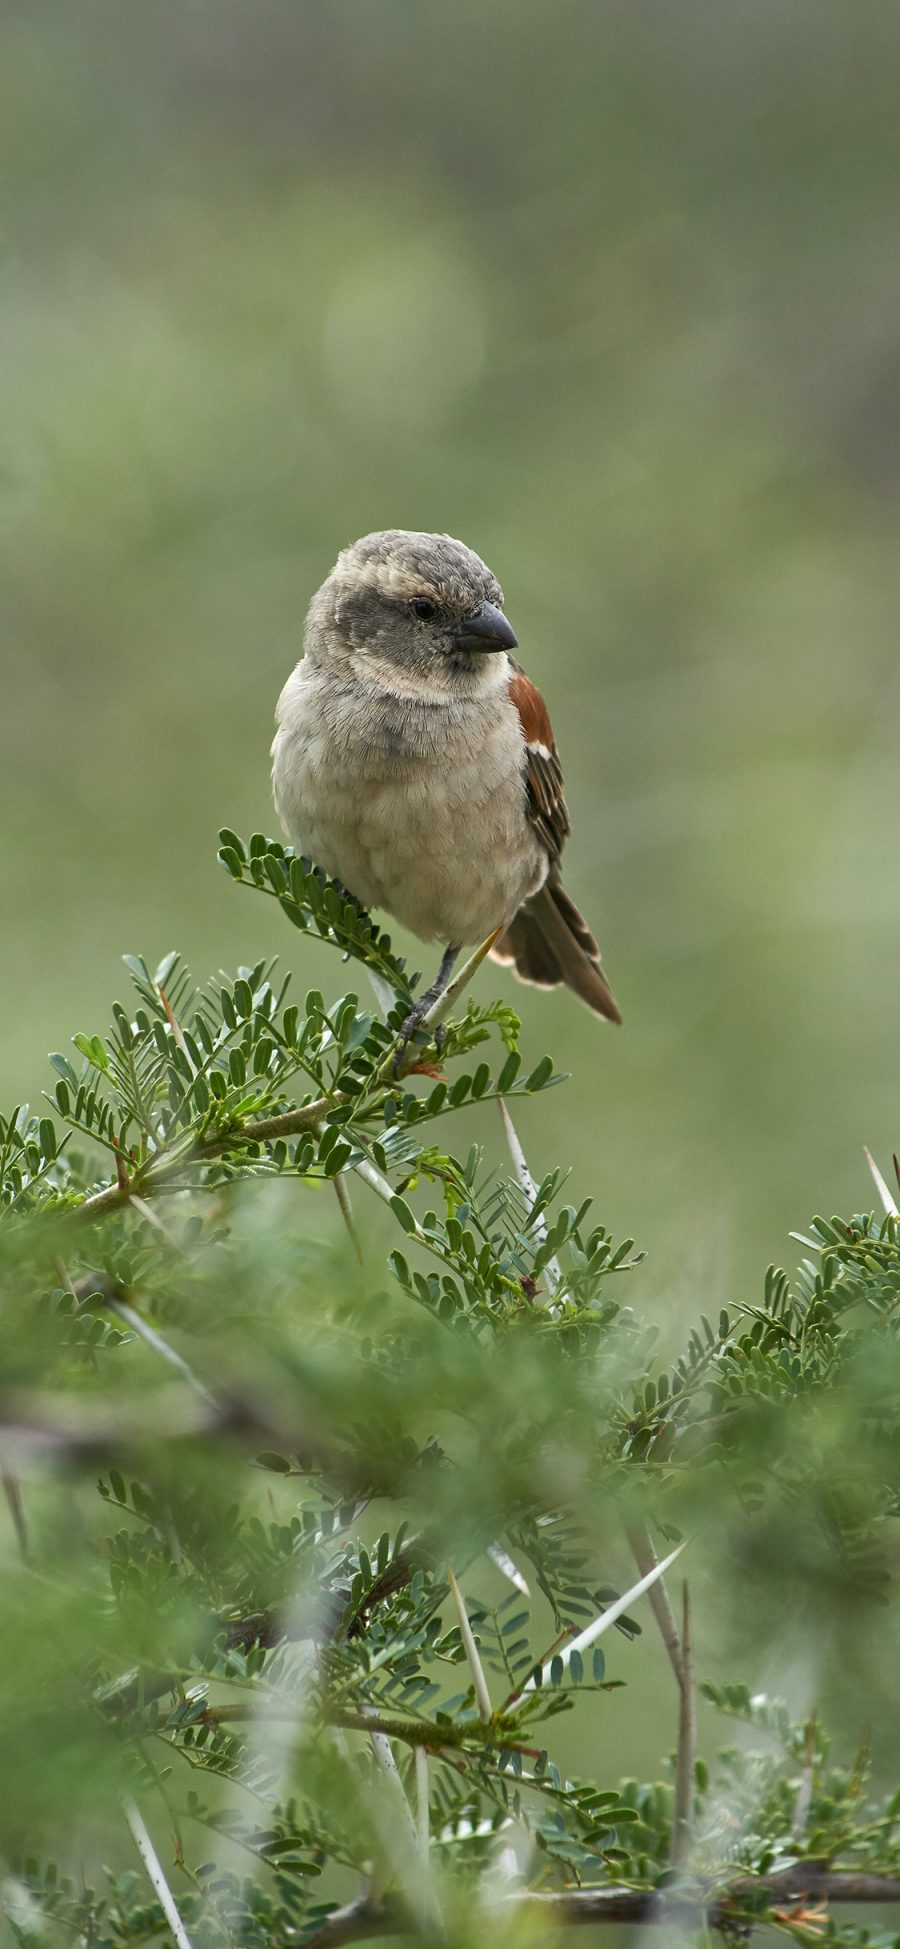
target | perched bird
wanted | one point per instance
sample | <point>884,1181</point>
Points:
<point>414,761</point>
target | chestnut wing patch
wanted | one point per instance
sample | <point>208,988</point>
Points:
<point>543,778</point>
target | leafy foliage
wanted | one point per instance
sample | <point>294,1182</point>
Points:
<point>249,1624</point>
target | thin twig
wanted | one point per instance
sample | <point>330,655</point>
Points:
<point>420,1758</point>
<point>357,1921</point>
<point>646,1559</point>
<point>291,1123</point>
<point>451,1738</point>
<point>805,1790</point>
<point>155,1874</point>
<point>12,1490</point>
<point>687,1743</point>
<point>288,1123</point>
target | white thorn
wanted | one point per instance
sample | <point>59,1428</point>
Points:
<point>381,1748</point>
<point>482,1695</point>
<point>148,1333</point>
<point>529,1187</point>
<point>596,1628</point>
<point>881,1187</point>
<point>518,1157</point>
<point>507,1568</point>
<point>384,993</point>
<point>346,1209</point>
<point>381,1188</point>
<point>155,1874</point>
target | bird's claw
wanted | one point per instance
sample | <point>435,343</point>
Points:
<point>407,1032</point>
<point>420,1010</point>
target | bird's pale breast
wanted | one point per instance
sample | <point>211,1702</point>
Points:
<point>419,808</point>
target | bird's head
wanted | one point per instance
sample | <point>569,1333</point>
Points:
<point>422,613</point>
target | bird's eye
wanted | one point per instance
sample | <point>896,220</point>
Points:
<point>423,607</point>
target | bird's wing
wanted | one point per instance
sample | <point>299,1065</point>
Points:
<point>547,809</point>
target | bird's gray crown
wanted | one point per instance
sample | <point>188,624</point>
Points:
<point>400,564</point>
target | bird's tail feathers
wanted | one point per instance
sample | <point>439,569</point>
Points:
<point>549,942</point>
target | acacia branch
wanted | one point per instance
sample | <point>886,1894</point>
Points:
<point>290,1123</point>
<point>646,1559</point>
<point>63,1428</point>
<point>687,1744</point>
<point>363,1921</point>
<point>502,1738</point>
<point>166,1175</point>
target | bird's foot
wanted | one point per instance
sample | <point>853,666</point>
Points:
<point>420,1009</point>
<point>407,1032</point>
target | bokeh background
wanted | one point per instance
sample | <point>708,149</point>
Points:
<point>610,291</point>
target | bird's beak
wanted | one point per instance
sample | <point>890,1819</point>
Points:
<point>488,629</point>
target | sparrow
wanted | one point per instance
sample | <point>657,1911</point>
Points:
<point>414,761</point>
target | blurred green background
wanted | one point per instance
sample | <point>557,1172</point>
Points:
<point>612,293</point>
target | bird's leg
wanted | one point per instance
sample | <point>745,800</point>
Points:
<point>424,1003</point>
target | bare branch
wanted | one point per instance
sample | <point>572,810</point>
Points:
<point>359,1921</point>
<point>166,1175</point>
<point>687,1744</point>
<point>421,1766</point>
<point>591,1907</point>
<point>646,1559</point>
<point>805,1791</point>
<point>13,1492</point>
<point>36,1424</point>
